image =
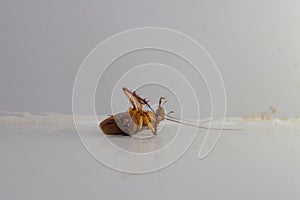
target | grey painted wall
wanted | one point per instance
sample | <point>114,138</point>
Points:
<point>256,45</point>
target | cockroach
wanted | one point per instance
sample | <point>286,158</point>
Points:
<point>136,119</point>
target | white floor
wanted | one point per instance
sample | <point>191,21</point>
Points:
<point>42,157</point>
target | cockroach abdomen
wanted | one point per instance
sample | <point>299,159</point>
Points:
<point>110,127</point>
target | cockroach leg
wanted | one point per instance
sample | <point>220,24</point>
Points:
<point>147,121</point>
<point>138,104</point>
<point>140,121</point>
<point>127,92</point>
<point>139,99</point>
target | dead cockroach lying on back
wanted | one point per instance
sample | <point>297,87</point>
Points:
<point>136,119</point>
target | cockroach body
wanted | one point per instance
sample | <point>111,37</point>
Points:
<point>136,119</point>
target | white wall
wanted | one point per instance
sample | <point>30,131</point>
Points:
<point>255,44</point>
